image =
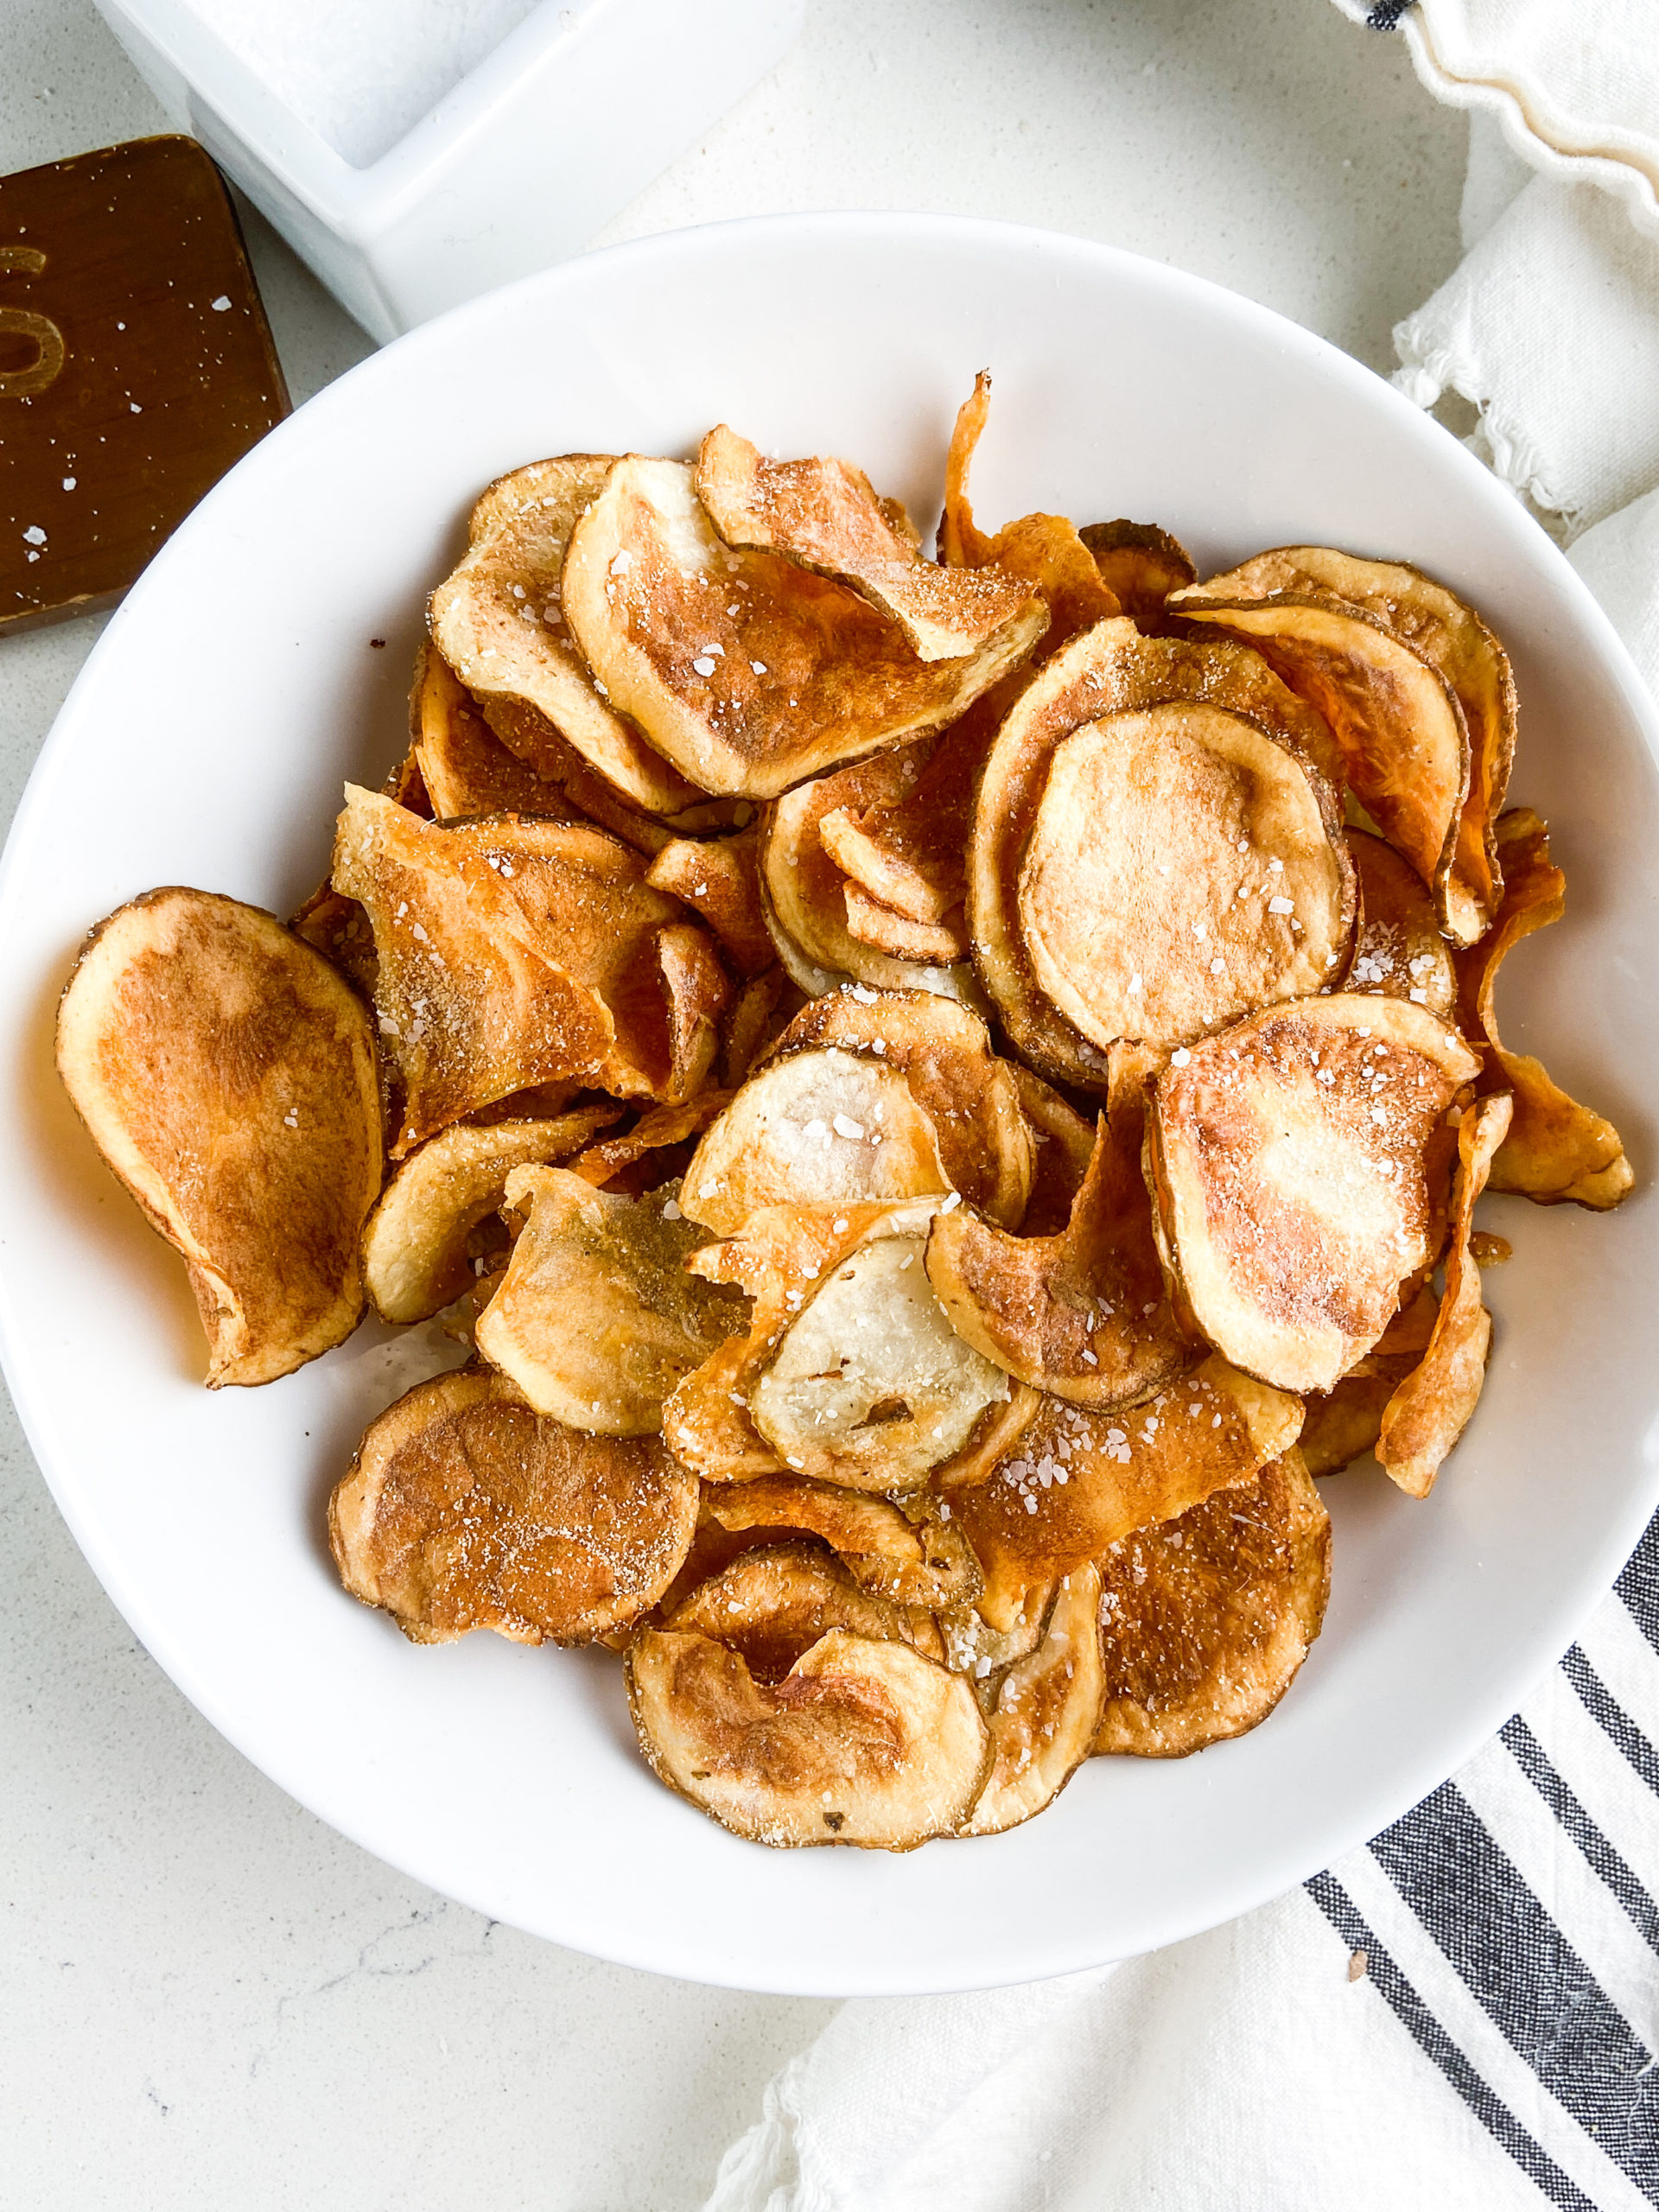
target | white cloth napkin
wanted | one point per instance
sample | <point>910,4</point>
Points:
<point>1467,2011</point>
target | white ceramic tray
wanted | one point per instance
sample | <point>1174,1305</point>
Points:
<point>206,743</point>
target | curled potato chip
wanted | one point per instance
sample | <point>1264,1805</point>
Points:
<point>597,1320</point>
<point>1432,1407</point>
<point>228,1075</point>
<point>943,1052</point>
<point>804,675</point>
<point>641,1149</point>
<point>823,1128</point>
<point>719,878</point>
<point>898,936</point>
<point>826,516</point>
<point>1068,891</point>
<point>465,1508</point>
<point>417,1256</point>
<point>870,1386</point>
<point>772,1604</point>
<point>464,766</point>
<point>1082,1313</point>
<point>756,1015</point>
<point>1344,1422</point>
<point>1063,1145</point>
<point>925,1561</point>
<point>1141,565</point>
<point>1417,689</point>
<point>1555,1149</point>
<point>338,928</point>
<point>1047,1711</point>
<point>863,1742</point>
<point>974,1648</point>
<point>498,621</point>
<point>1076,1482</point>
<point>1400,952</point>
<point>1205,1619</point>
<point>1287,1161</point>
<point>907,852</point>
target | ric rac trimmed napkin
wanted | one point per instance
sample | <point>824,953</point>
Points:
<point>1465,2013</point>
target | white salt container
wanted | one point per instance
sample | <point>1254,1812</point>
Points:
<point>515,167</point>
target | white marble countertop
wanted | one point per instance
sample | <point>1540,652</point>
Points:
<point>209,1999</point>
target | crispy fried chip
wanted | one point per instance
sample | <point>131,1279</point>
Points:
<point>886,931</point>
<point>1141,565</point>
<point>973,1647</point>
<point>597,1320</point>
<point>823,1128</point>
<point>500,622</point>
<point>465,1508</point>
<point>756,1015</point>
<point>863,1742</point>
<point>228,1075</point>
<point>826,516</point>
<point>1343,1424</point>
<point>1086,888</point>
<point>661,1131</point>
<point>464,766</point>
<point>803,675</point>
<point>1286,1157</point>
<point>1415,686</point>
<point>1555,1149</point>
<point>1076,1481</point>
<point>338,928</point>
<point>1204,1620</point>
<point>1400,953</point>
<point>944,1051</point>
<point>1082,1313</point>
<point>1432,1406</point>
<point>720,879</point>
<point>417,1252</point>
<point>1047,1711</point>
<point>773,1603</point>
<point>1063,1145</point>
<point>915,1562</point>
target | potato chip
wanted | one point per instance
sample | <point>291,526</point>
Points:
<point>773,1603</point>
<point>417,1249</point>
<point>1555,1149</point>
<point>499,621</point>
<point>1141,565</point>
<point>646,1146</point>
<point>1204,1620</point>
<point>694,983</point>
<point>755,1016</point>
<point>1417,689</point>
<point>826,516</point>
<point>1082,1313</point>
<point>973,1648</point>
<point>923,1561</point>
<point>228,1075</point>
<point>338,928</point>
<point>1047,1711</point>
<point>464,766</point>
<point>465,1508</point>
<point>1400,952</point>
<point>943,1052</point>
<point>941,944</point>
<point>719,878</point>
<point>824,1127</point>
<point>1062,1145</point>
<point>1123,900</point>
<point>863,1742</point>
<point>1077,1481</point>
<point>803,676</point>
<point>1288,1157</point>
<point>907,849</point>
<point>1432,1405</point>
<point>597,1320</point>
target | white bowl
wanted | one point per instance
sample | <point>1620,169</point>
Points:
<point>206,743</point>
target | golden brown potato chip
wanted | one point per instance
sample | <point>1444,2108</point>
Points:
<point>826,516</point>
<point>1141,565</point>
<point>1047,1711</point>
<point>1343,1424</point>
<point>654,1134</point>
<point>1400,952</point>
<point>756,1015</point>
<point>803,675</point>
<point>463,764</point>
<point>925,1561</point>
<point>1063,1145</point>
<point>698,993</point>
<point>228,1075</point>
<point>1432,1407</point>
<point>1286,1157</point>
<point>973,1648</point>
<point>824,1127</point>
<point>939,943</point>
<point>773,1603</point>
<point>498,621</point>
<point>944,1051</point>
<point>1076,1481</point>
<point>1555,1149</point>
<point>465,1508</point>
<point>597,1320</point>
<point>1204,1620</point>
<point>719,878</point>
<point>338,928</point>
<point>863,1742</point>
<point>417,1253</point>
<point>1057,842</point>
<point>1082,1313</point>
